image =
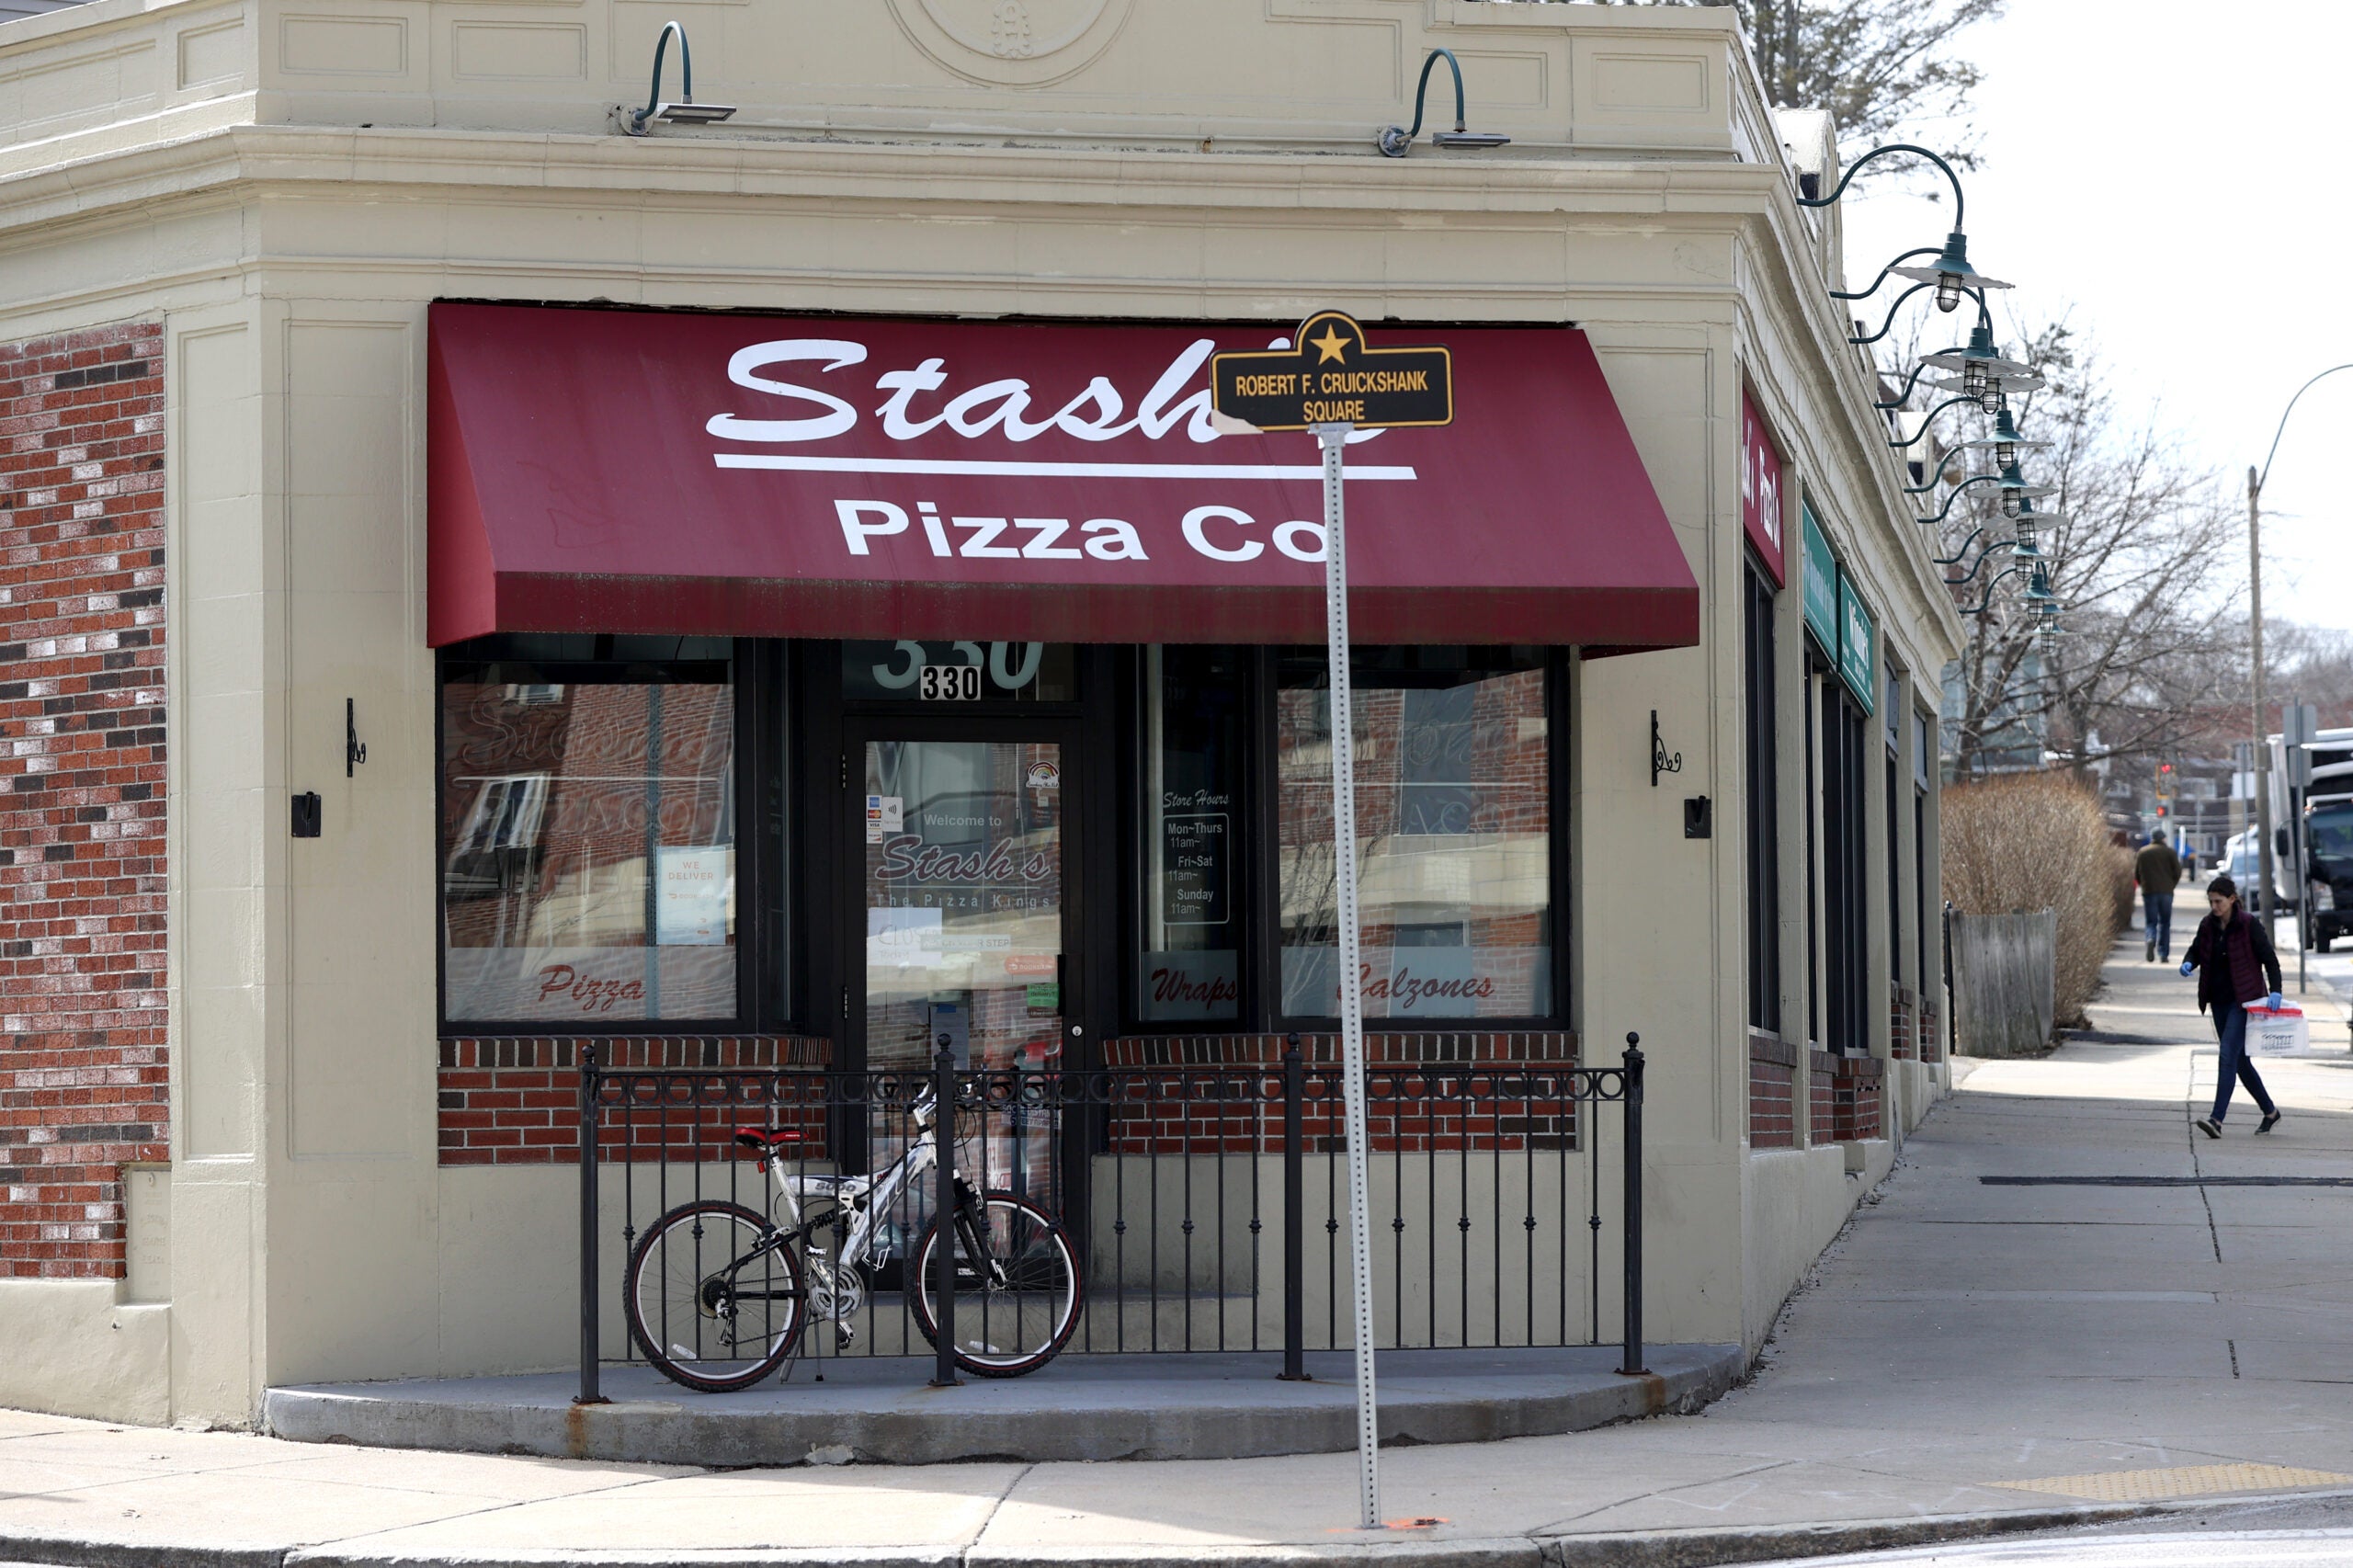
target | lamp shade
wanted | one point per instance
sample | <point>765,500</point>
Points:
<point>1952,266</point>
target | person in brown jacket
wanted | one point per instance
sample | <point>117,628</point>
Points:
<point>2158,870</point>
<point>2233,957</point>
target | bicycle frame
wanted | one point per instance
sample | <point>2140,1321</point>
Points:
<point>865,1196</point>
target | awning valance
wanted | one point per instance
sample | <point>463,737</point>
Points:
<point>647,471</point>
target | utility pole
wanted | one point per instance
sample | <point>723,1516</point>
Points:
<point>2262,756</point>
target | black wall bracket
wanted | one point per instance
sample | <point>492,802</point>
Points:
<point>1660,761</point>
<point>355,751</point>
<point>306,814</point>
<point>1698,818</point>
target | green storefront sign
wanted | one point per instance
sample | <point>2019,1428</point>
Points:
<point>1858,643</point>
<point>1821,584</point>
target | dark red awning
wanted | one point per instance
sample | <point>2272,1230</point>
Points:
<point>646,471</point>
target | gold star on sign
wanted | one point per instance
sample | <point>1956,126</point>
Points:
<point>1331,344</point>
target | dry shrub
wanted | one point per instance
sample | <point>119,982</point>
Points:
<point>2035,841</point>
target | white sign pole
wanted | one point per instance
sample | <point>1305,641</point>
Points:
<point>1334,439</point>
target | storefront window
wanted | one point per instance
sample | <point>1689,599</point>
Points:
<point>588,829</point>
<point>1453,761</point>
<point>1195,715</point>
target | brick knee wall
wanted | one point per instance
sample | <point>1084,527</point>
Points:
<point>83,1075</point>
<point>515,1101</point>
<point>1822,1097</point>
<point>1427,1093</point>
<point>1856,1098</point>
<point>1772,1092</point>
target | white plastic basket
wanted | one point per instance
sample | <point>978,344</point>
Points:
<point>2283,1033</point>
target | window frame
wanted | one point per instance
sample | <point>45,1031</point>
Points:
<point>1761,755</point>
<point>767,905</point>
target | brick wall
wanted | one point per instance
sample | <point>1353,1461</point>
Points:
<point>1772,1092</point>
<point>1855,1103</point>
<point>83,1075</point>
<point>1427,1092</point>
<point>1822,1097</point>
<point>1929,1034</point>
<point>1901,1015</point>
<point>517,1101</point>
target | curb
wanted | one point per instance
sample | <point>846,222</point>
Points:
<point>1662,1549</point>
<point>1088,1422</point>
<point>1705,1549</point>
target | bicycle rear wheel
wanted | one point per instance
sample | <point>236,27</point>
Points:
<point>1018,1289</point>
<point>712,1301</point>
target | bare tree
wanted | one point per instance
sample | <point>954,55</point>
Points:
<point>1885,68</point>
<point>2150,644</point>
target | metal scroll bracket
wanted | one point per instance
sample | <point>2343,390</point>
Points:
<point>355,751</point>
<point>1660,761</point>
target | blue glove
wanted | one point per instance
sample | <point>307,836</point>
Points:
<point>2273,1003</point>
<point>2186,967</point>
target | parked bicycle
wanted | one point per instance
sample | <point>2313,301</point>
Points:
<point>719,1296</point>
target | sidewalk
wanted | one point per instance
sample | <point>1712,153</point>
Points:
<point>2064,1306</point>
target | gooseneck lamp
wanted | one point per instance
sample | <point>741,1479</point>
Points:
<point>1395,141</point>
<point>686,111</point>
<point>2005,443</point>
<point>1981,374</point>
<point>1951,274</point>
<point>1982,606</point>
<point>1978,360</point>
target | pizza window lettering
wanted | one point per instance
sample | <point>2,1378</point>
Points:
<point>588,831</point>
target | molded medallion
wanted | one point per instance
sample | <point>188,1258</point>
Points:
<point>1013,43</point>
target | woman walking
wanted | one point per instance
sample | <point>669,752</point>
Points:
<point>2233,956</point>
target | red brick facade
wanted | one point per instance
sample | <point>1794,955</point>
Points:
<point>1772,1092</point>
<point>82,1076</point>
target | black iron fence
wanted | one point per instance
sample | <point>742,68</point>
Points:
<point>1208,1205</point>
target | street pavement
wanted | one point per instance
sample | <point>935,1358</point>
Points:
<point>2065,1308</point>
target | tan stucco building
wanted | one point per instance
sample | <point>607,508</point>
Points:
<point>308,220</point>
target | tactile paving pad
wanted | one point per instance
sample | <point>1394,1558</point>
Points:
<point>2179,1481</point>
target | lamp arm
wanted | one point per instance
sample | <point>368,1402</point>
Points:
<point>686,76</point>
<point>1867,293</point>
<point>1393,141</point>
<point>1949,403</point>
<point>1988,599</point>
<point>1856,167</point>
<point>1964,549</point>
<point>1914,379</point>
<point>1923,490</point>
<point>1887,326</point>
<point>2283,422</point>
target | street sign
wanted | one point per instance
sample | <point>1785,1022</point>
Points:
<point>1329,381</point>
<point>1330,375</point>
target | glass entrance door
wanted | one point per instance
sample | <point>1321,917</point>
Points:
<point>962,883</point>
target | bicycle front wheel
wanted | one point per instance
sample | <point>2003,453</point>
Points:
<point>1018,1289</point>
<point>715,1300</point>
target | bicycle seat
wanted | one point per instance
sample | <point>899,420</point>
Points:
<point>765,1142</point>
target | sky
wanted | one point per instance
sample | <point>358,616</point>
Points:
<point>2170,175</point>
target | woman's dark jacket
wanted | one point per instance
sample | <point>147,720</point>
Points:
<point>2241,950</point>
